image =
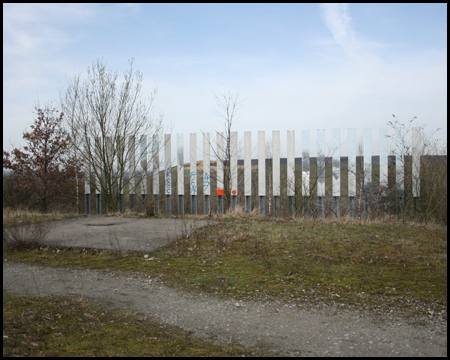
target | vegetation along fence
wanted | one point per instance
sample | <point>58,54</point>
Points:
<point>359,184</point>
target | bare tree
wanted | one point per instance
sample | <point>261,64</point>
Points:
<point>429,180</point>
<point>227,108</point>
<point>104,117</point>
<point>69,103</point>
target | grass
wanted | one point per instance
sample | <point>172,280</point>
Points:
<point>63,326</point>
<point>386,264</point>
<point>19,217</point>
<point>300,260</point>
<point>247,257</point>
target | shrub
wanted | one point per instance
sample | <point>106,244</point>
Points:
<point>19,231</point>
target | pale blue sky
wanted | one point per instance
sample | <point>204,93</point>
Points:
<point>295,66</point>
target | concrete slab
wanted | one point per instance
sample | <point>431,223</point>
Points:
<point>120,233</point>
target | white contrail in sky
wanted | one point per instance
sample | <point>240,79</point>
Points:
<point>338,21</point>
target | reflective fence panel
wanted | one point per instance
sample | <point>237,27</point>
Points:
<point>383,160</point>
<point>290,163</point>
<point>367,146</point>
<point>248,171</point>
<point>305,163</point>
<point>180,173</point>
<point>143,164</point>
<point>276,172</point>
<point>168,172</point>
<point>206,173</point>
<point>220,186</point>
<point>336,163</point>
<point>180,164</point>
<point>416,152</point>
<point>262,172</point>
<point>321,162</point>
<point>351,162</point>
<point>233,169</point>
<point>366,184</point>
<point>155,157</point>
<point>290,171</point>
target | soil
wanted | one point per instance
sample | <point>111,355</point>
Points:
<point>286,329</point>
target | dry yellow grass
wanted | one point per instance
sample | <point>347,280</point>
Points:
<point>17,217</point>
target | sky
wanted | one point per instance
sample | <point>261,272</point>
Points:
<point>293,66</point>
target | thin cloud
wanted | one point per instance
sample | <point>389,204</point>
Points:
<point>338,21</point>
<point>33,29</point>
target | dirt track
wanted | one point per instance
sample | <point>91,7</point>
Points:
<point>289,329</point>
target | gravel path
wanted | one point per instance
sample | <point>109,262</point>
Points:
<point>288,329</point>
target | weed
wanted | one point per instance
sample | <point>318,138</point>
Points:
<point>115,245</point>
<point>21,233</point>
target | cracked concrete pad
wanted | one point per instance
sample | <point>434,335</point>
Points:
<point>106,232</point>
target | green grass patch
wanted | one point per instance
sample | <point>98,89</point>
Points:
<point>63,326</point>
